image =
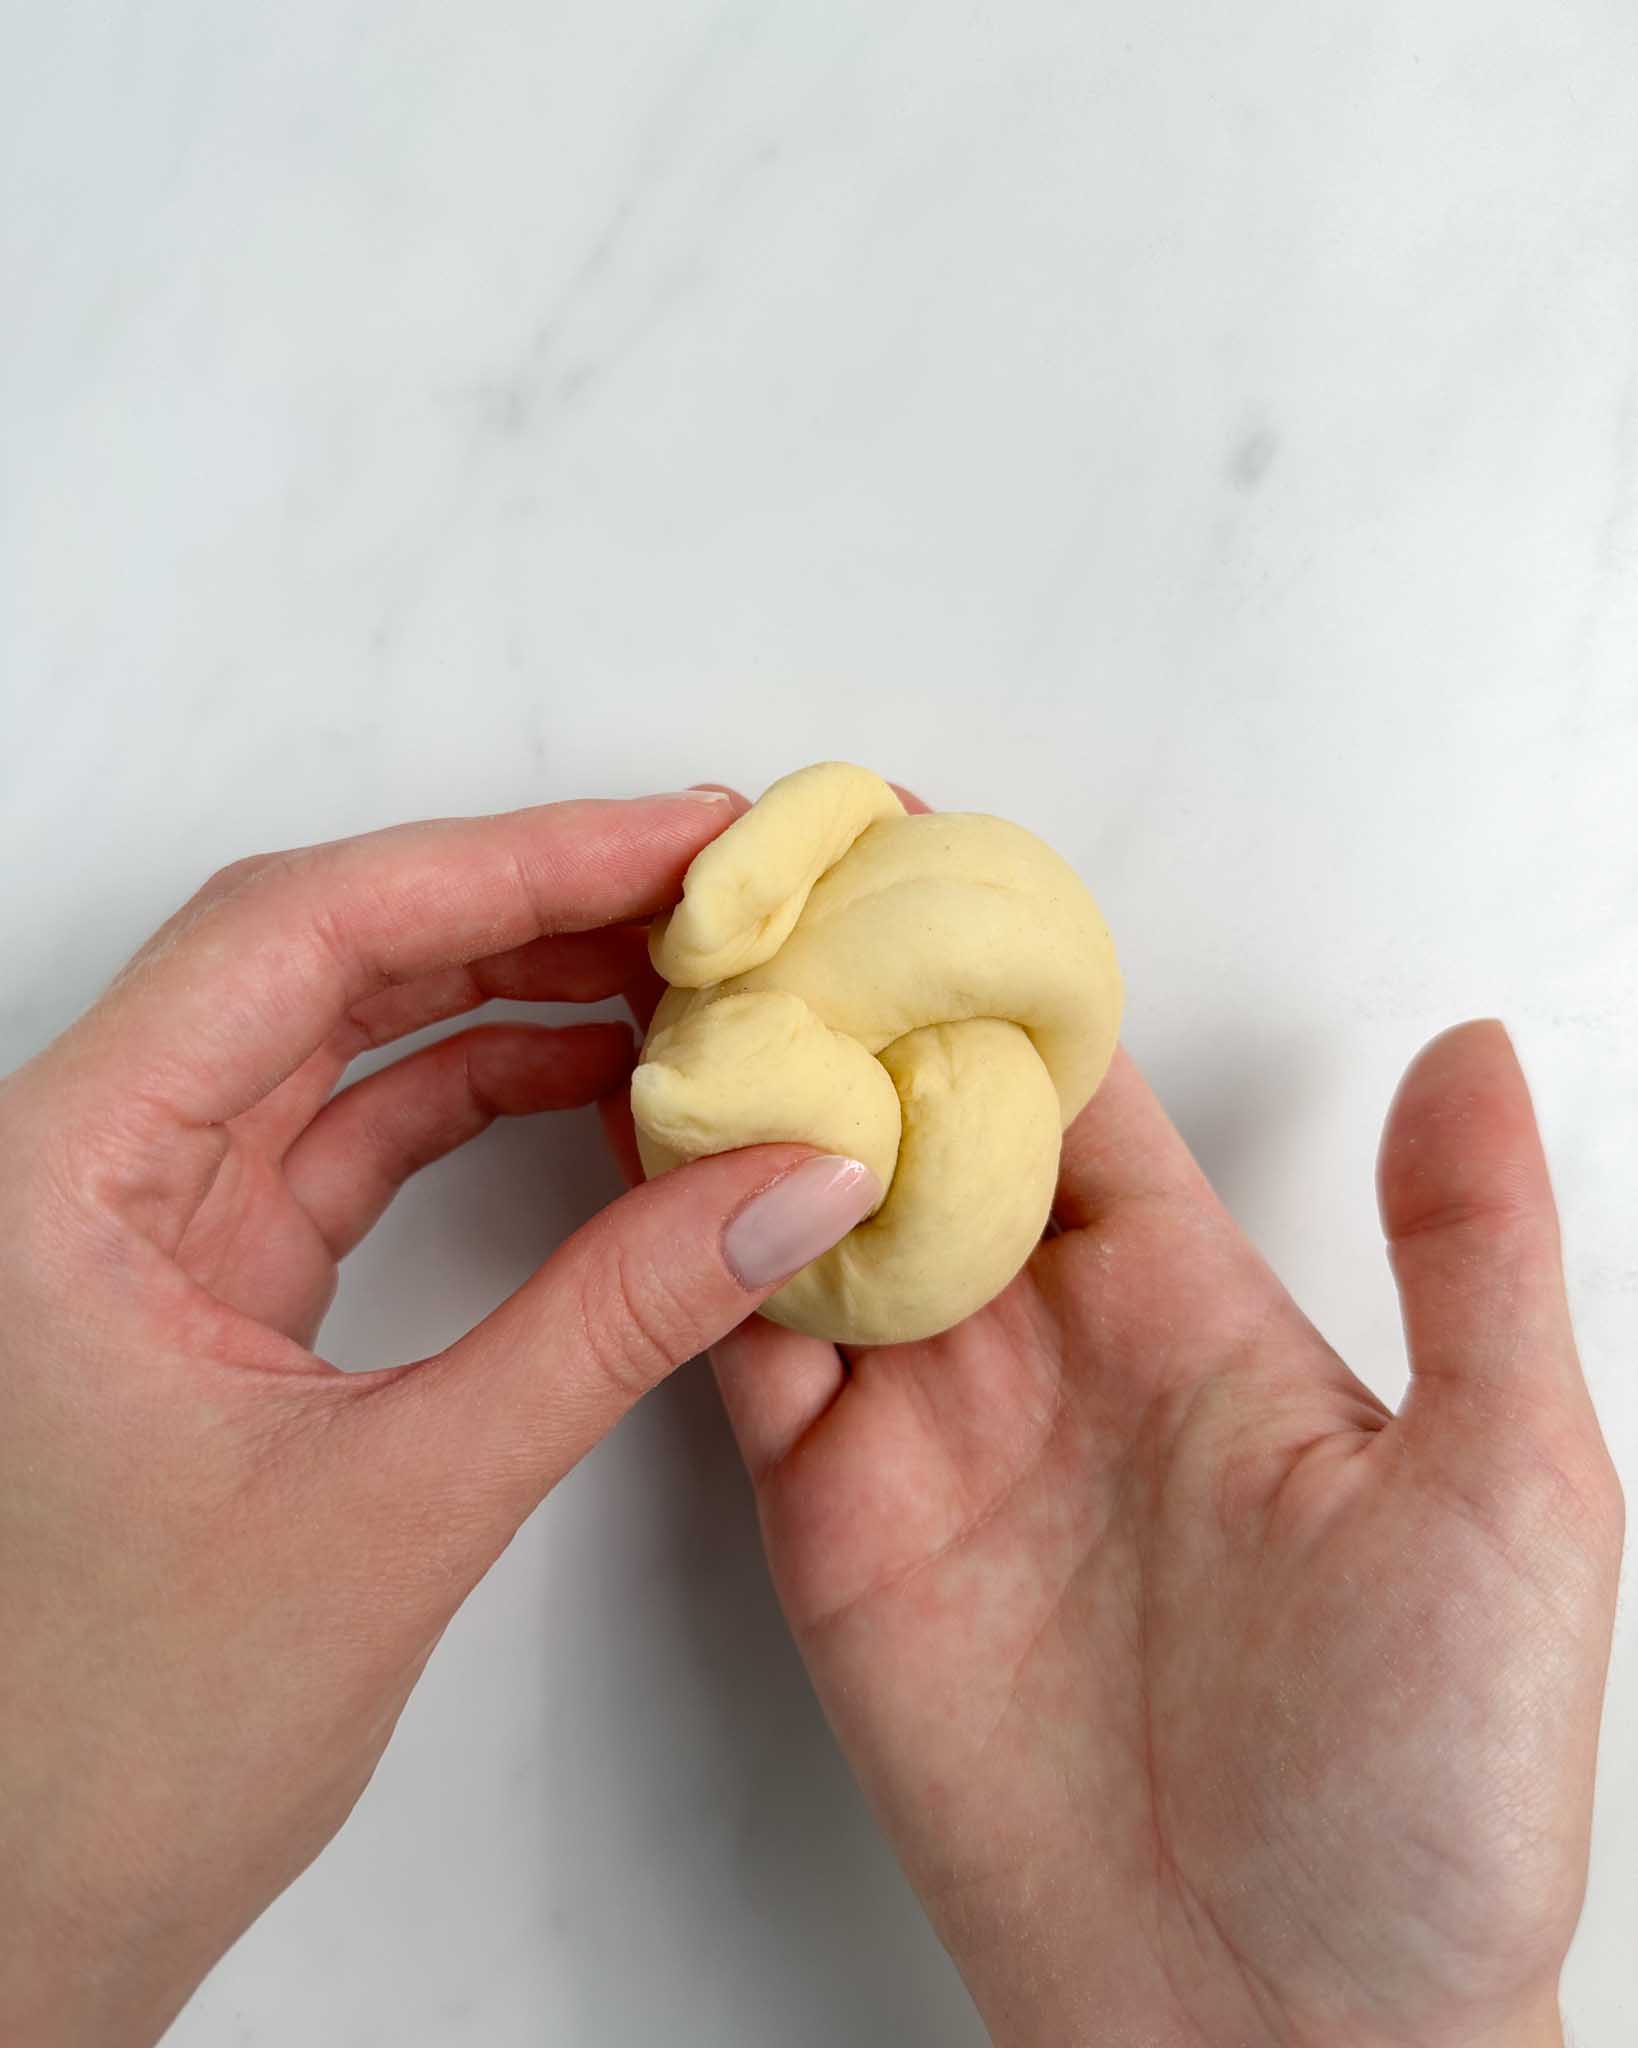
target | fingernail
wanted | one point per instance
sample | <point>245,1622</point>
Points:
<point>694,796</point>
<point>800,1216</point>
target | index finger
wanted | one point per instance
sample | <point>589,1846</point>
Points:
<point>236,995</point>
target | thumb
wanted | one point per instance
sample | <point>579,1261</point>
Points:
<point>653,1280</point>
<point>1472,1230</point>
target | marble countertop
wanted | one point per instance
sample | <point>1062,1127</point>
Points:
<point>1209,436</point>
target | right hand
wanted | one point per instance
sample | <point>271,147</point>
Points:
<point>223,1563</point>
<point>1208,1702</point>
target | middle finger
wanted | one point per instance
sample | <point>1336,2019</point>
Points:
<point>563,967</point>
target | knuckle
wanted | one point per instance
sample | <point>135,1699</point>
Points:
<point>1567,1494</point>
<point>1491,1219</point>
<point>250,872</point>
<point>251,876</point>
<point>57,1219</point>
<point>1606,1498</point>
<point>207,902</point>
<point>237,872</point>
<point>633,1325</point>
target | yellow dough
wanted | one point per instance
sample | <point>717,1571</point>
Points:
<point>936,995</point>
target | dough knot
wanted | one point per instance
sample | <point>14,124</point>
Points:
<point>934,994</point>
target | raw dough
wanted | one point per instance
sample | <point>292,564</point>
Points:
<point>936,995</point>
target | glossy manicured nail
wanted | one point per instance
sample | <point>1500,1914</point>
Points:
<point>800,1216</point>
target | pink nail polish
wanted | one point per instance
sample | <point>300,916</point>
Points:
<point>803,1214</point>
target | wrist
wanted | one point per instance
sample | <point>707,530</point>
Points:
<point>86,1981</point>
<point>1050,2007</point>
<point>94,2004</point>
<point>1541,2026</point>
<point>1537,2025</point>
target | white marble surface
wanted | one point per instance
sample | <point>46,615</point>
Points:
<point>1209,435</point>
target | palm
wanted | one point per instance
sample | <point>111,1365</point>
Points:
<point>1142,1617</point>
<point>255,1245</point>
<point>284,1191</point>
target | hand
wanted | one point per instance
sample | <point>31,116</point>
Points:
<point>223,1563</point>
<point>1206,1701</point>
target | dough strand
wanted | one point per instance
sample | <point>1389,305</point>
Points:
<point>936,995</point>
